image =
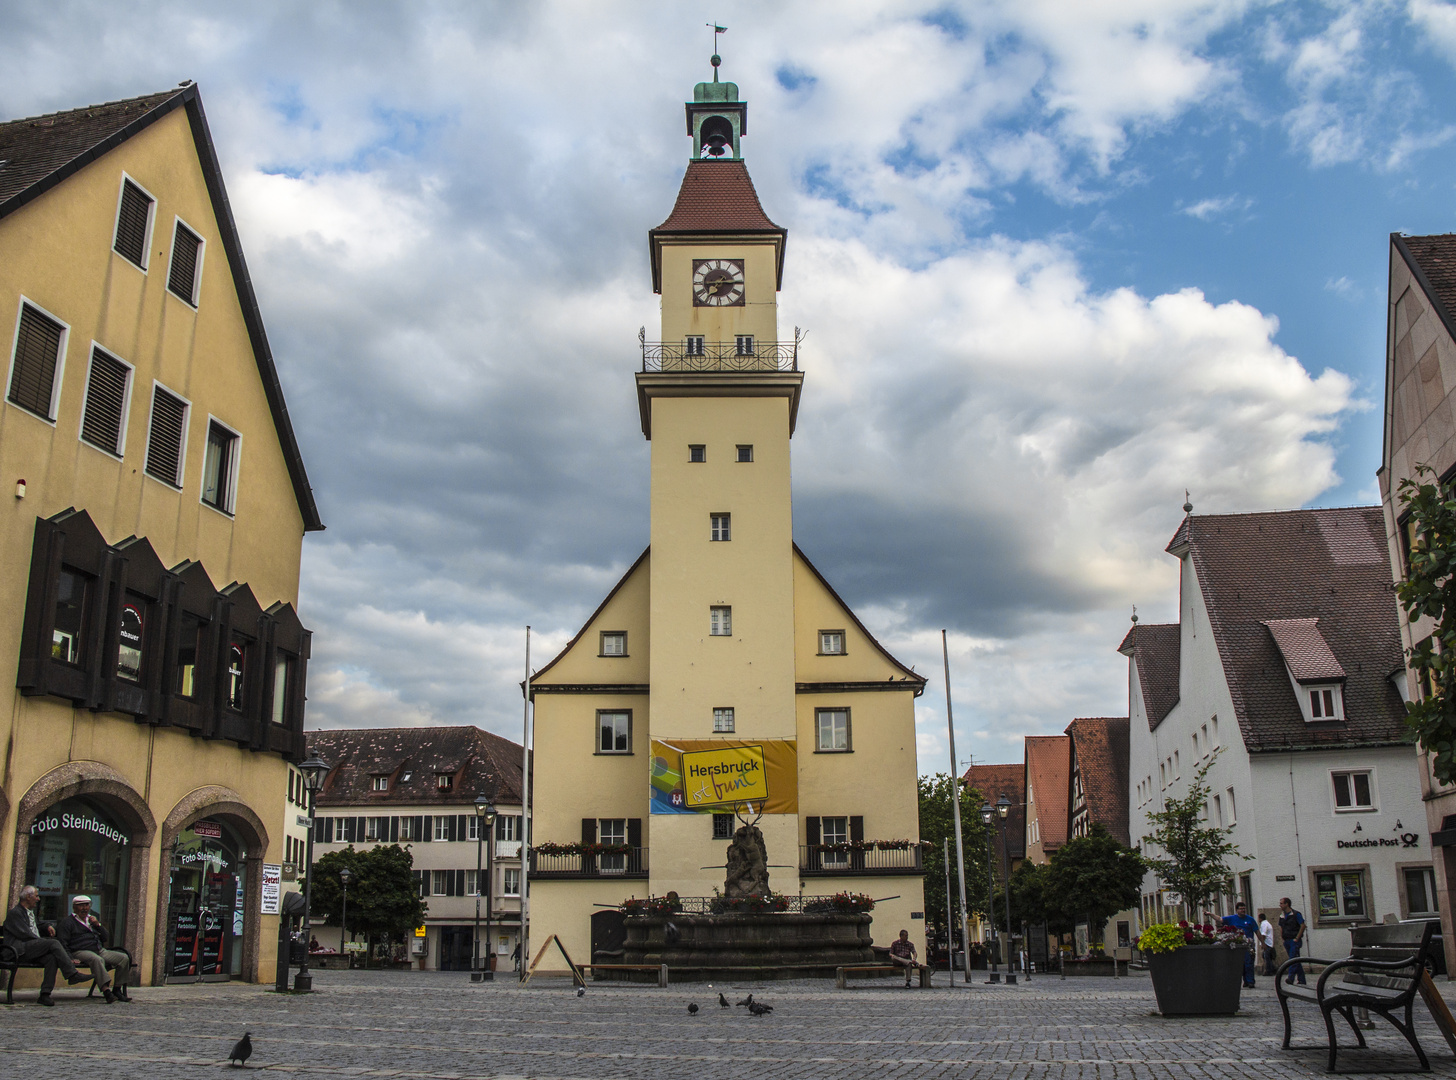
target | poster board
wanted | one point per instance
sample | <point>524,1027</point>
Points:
<point>705,776</point>
<point>272,887</point>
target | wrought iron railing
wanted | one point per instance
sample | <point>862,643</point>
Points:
<point>789,903</point>
<point>744,354</point>
<point>838,860</point>
<point>629,863</point>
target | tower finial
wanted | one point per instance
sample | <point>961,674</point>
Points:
<point>1187,502</point>
<point>1134,614</point>
<point>715,60</point>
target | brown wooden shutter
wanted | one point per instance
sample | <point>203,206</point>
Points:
<point>588,830</point>
<point>811,830</point>
<point>101,425</point>
<point>856,830</point>
<point>460,883</point>
<point>394,830</point>
<point>182,279</point>
<point>634,832</point>
<point>37,350</point>
<point>462,829</point>
<point>427,830</point>
<point>164,443</point>
<point>131,223</point>
<point>418,832</point>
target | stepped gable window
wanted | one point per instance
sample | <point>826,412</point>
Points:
<point>37,360</point>
<point>108,394</point>
<point>285,673</point>
<point>167,436</point>
<point>135,210</point>
<point>244,628</point>
<point>192,661</point>
<point>186,273</point>
<point>136,630</point>
<point>71,571</point>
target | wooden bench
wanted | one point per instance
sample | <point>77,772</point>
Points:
<point>1382,974</point>
<point>842,974</point>
<point>9,964</point>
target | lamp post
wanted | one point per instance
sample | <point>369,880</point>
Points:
<point>484,820</point>
<point>987,813</point>
<point>344,878</point>
<point>315,771</point>
<point>1003,807</point>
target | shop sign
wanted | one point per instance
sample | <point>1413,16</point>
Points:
<point>1407,840</point>
<point>272,887</point>
<point>419,931</point>
<point>356,946</point>
<point>210,829</point>
<point>290,871</point>
<point>77,822</point>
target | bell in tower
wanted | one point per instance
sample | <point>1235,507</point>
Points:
<point>717,119</point>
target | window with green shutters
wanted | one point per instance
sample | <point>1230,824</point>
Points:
<point>36,361</point>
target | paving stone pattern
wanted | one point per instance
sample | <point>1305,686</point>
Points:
<point>418,1024</point>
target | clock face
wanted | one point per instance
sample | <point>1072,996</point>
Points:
<point>717,282</point>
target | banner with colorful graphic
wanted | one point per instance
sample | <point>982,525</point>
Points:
<point>704,776</point>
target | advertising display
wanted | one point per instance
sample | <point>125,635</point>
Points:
<point>705,776</point>
<point>272,887</point>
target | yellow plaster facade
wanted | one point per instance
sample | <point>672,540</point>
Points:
<point>722,612</point>
<point>56,255</point>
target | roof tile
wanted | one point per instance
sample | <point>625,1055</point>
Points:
<point>1048,762</point>
<point>1156,648</point>
<point>1101,747</point>
<point>717,196</point>
<point>993,781</point>
<point>1305,650</point>
<point>481,762</point>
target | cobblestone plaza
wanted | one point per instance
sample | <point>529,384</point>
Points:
<point>370,1024</point>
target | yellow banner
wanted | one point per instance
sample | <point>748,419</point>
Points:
<point>699,776</point>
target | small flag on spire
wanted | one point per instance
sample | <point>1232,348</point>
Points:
<point>719,29</point>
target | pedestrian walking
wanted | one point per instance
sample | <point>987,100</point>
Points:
<point>1266,935</point>
<point>1291,930</point>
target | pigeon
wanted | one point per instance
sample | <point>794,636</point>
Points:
<point>692,1008</point>
<point>242,1050</point>
<point>747,1001</point>
<point>760,1010</point>
<point>724,1002</point>
<point>581,991</point>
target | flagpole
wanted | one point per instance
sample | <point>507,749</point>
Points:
<point>955,804</point>
<point>526,809</point>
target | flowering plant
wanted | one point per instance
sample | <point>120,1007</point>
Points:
<point>577,848</point>
<point>722,905</point>
<point>652,905</point>
<point>846,902</point>
<point>1165,937</point>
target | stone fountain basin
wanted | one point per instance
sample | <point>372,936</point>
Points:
<point>763,945</point>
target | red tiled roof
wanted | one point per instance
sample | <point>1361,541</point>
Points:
<point>481,763</point>
<point>717,196</point>
<point>1048,763</point>
<point>1329,565</point>
<point>1435,258</point>
<point>1305,650</point>
<point>993,781</point>
<point>1100,749</point>
<point>1156,649</point>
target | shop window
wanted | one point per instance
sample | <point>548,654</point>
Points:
<point>208,889</point>
<point>1341,894</point>
<point>73,596</point>
<point>131,639</point>
<point>1420,891</point>
<point>189,648</point>
<point>832,730</point>
<point>78,846</point>
<point>1354,791</point>
<point>237,673</point>
<point>283,666</point>
<point>614,732</point>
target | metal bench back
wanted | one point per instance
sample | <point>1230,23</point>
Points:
<point>1399,941</point>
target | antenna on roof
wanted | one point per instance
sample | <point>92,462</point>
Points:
<point>1187,502</point>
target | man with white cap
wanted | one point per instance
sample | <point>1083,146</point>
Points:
<point>85,939</point>
<point>35,942</point>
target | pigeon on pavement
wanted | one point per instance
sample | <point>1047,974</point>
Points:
<point>724,1002</point>
<point>760,1010</point>
<point>692,1008</point>
<point>747,1001</point>
<point>242,1050</point>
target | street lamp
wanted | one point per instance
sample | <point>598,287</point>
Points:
<point>344,878</point>
<point>484,819</point>
<point>1003,807</point>
<point>315,771</point>
<point>987,813</point>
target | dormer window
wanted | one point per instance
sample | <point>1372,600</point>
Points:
<point>444,781</point>
<point>1325,703</point>
<point>380,783</point>
<point>1315,674</point>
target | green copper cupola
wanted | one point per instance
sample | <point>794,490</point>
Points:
<point>716,119</point>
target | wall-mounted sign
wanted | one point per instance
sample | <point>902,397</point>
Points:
<point>129,652</point>
<point>67,822</point>
<point>1285,877</point>
<point>207,828</point>
<point>290,871</point>
<point>272,888</point>
<point>419,931</point>
<point>1407,840</point>
<point>701,776</point>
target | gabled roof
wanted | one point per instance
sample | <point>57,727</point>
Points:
<point>1305,651</point>
<point>481,762</point>
<point>993,781</point>
<point>1327,565</point>
<point>1048,763</point>
<point>717,198</point>
<point>535,675</point>
<point>1432,260</point>
<point>40,152</point>
<point>1100,746</point>
<point>1156,649</point>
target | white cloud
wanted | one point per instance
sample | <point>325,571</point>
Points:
<point>1208,209</point>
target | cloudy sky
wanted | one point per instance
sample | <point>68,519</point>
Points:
<point>1058,262</point>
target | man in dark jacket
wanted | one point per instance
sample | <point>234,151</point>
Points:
<point>34,941</point>
<point>85,939</point>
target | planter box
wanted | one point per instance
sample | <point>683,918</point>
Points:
<point>1198,980</point>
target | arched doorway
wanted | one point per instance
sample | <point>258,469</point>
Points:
<point>210,890</point>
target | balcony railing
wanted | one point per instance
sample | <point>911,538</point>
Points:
<point>746,355</point>
<point>631,863</point>
<point>814,861</point>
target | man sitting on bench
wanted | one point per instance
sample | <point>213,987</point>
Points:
<point>34,942</point>
<point>902,954</point>
<point>85,939</point>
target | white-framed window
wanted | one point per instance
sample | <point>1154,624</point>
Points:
<point>376,829</point>
<point>440,882</point>
<point>1218,810</point>
<point>612,831</point>
<point>471,887</point>
<point>444,781</point>
<point>136,210</point>
<point>1326,702</point>
<point>184,279</point>
<point>510,882</point>
<point>697,453</point>
<point>1162,775</point>
<point>37,361</point>
<point>472,827</point>
<point>1233,814</point>
<point>1195,744</point>
<point>167,436</point>
<point>1177,770</point>
<point>745,452</point>
<point>722,721</point>
<point>614,731</point>
<point>614,643</point>
<point>834,830</point>
<point>831,642</point>
<point>1354,791</point>
<point>720,621</point>
<point>380,783</point>
<point>108,400</point>
<point>283,667</point>
<point>407,830</point>
<point>1213,729</point>
<point>832,728</point>
<point>743,344</point>
<point>220,466</point>
<point>719,527</point>
<point>694,345</point>
<point>1420,891</point>
<point>1207,746</point>
<point>442,827</point>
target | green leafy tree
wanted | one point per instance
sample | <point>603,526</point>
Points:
<point>1028,898</point>
<point>1195,854</point>
<point>1092,877</point>
<point>383,897</point>
<point>1429,592</point>
<point>937,825</point>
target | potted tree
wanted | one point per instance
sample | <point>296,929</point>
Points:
<point>1196,969</point>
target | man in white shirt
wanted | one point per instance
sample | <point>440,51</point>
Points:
<point>1266,934</point>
